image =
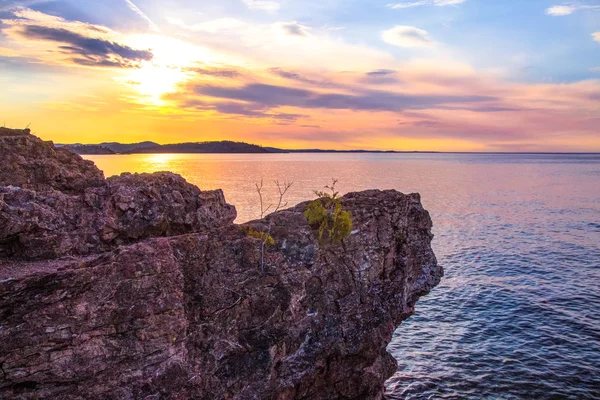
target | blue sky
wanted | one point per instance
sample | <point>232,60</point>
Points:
<point>430,48</point>
<point>514,34</point>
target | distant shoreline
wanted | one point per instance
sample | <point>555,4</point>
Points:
<point>229,147</point>
<point>359,152</point>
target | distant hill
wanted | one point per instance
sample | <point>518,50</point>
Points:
<point>125,148</point>
<point>224,146</point>
<point>88,149</point>
<point>203,147</point>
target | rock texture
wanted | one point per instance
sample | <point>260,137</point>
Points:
<point>141,287</point>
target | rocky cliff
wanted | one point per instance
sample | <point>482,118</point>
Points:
<point>141,287</point>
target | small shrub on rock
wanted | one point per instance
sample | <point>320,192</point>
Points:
<point>326,215</point>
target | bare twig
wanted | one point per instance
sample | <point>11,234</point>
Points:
<point>282,188</point>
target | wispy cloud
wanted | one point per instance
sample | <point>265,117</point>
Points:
<point>407,36</point>
<point>266,5</point>
<point>567,9</point>
<point>285,44</point>
<point>59,41</point>
<point>139,12</point>
<point>596,36</point>
<point>440,3</point>
<point>229,73</point>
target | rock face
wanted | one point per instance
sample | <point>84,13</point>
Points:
<point>141,287</point>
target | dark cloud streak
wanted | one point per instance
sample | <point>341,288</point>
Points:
<point>299,78</point>
<point>380,77</point>
<point>89,51</point>
<point>381,72</point>
<point>372,100</point>
<point>215,72</point>
<point>249,110</point>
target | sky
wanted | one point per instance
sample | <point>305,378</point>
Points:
<point>442,75</point>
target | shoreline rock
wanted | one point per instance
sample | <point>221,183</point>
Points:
<point>142,287</point>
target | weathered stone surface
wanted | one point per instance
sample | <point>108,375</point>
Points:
<point>196,315</point>
<point>72,210</point>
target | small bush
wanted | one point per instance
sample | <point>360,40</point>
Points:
<point>327,216</point>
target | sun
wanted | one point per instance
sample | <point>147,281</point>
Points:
<point>166,70</point>
<point>151,82</point>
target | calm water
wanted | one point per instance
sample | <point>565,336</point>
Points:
<point>517,315</point>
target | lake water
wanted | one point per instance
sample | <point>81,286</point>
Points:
<point>517,315</point>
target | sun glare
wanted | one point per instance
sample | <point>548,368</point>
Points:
<point>151,82</point>
<point>161,162</point>
<point>166,70</point>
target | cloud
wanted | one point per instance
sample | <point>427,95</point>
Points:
<point>247,110</point>
<point>597,69</point>
<point>282,73</point>
<point>295,29</point>
<point>87,50</point>
<point>55,41</point>
<point>381,72</point>
<point>407,36</point>
<point>371,100</point>
<point>559,11</point>
<point>266,5</point>
<point>381,76</point>
<point>439,3</point>
<point>215,72</point>
<point>283,44</point>
<point>596,36</point>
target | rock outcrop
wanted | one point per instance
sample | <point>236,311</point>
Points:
<point>54,203</point>
<point>30,163</point>
<point>141,287</point>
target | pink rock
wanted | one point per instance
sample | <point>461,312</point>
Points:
<point>167,298</point>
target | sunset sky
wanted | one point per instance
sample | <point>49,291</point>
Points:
<point>449,75</point>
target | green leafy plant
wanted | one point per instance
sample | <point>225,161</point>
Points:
<point>326,214</point>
